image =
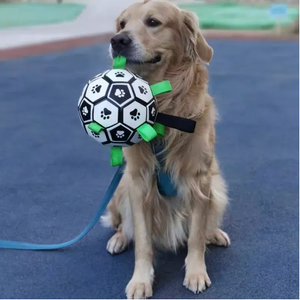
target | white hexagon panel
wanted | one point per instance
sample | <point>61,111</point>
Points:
<point>120,93</point>
<point>106,114</point>
<point>134,115</point>
<point>136,138</point>
<point>142,90</point>
<point>119,133</point>
<point>97,89</point>
<point>118,75</point>
<point>101,138</point>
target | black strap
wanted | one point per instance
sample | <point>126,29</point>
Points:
<point>179,123</point>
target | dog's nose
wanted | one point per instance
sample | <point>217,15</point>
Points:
<point>120,41</point>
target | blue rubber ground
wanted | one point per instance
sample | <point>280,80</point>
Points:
<point>52,177</point>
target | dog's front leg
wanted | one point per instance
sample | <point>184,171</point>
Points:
<point>140,286</point>
<point>196,278</point>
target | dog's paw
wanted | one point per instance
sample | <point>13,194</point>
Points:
<point>117,243</point>
<point>196,282</point>
<point>140,287</point>
<point>220,238</point>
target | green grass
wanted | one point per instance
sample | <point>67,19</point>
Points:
<point>28,14</point>
<point>237,16</point>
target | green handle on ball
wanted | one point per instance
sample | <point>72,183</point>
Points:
<point>147,132</point>
<point>161,87</point>
<point>116,156</point>
<point>95,127</point>
<point>119,62</point>
<point>159,128</point>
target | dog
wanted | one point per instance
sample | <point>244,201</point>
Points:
<point>162,42</point>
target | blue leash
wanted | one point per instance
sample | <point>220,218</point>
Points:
<point>103,204</point>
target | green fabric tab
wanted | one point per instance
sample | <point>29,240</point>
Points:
<point>119,62</point>
<point>95,127</point>
<point>159,128</point>
<point>161,87</point>
<point>147,132</point>
<point>116,156</point>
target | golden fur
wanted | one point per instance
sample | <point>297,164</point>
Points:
<point>137,210</point>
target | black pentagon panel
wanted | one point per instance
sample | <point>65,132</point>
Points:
<point>151,112</point>
<point>120,93</point>
<point>120,134</point>
<point>85,111</point>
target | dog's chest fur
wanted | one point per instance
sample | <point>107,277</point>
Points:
<point>170,211</point>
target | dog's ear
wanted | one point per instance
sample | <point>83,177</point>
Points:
<point>195,44</point>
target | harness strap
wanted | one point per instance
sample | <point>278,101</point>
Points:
<point>102,206</point>
<point>165,185</point>
<point>179,123</point>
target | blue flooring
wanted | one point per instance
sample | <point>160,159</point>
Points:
<point>52,177</point>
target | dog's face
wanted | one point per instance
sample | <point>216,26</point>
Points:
<point>156,33</point>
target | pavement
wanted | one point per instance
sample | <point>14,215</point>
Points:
<point>53,176</point>
<point>97,18</point>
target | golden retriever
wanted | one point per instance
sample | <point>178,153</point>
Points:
<point>162,42</point>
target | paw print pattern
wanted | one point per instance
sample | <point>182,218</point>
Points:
<point>120,134</point>
<point>120,74</point>
<point>153,111</point>
<point>143,90</point>
<point>120,93</point>
<point>85,111</point>
<point>135,115</point>
<point>95,135</point>
<point>105,114</point>
<point>96,88</point>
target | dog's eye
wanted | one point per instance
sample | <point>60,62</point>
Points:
<point>122,24</point>
<point>152,22</point>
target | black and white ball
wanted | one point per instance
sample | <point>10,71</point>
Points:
<point>120,102</point>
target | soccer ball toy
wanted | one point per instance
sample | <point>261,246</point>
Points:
<point>118,108</point>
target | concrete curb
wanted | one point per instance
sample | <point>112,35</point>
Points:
<point>57,46</point>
